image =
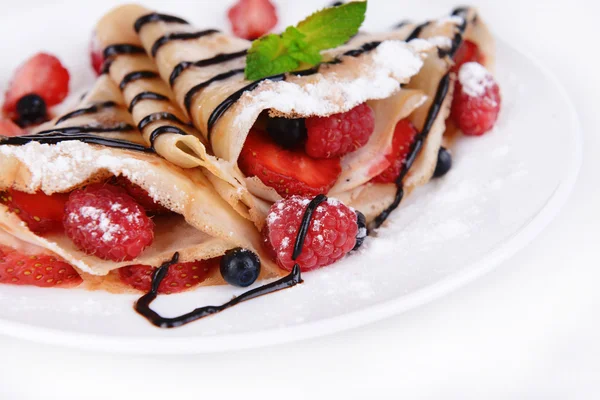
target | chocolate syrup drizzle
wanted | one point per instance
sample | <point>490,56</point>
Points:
<point>159,116</point>
<point>85,138</point>
<point>89,110</point>
<point>122,48</point>
<point>219,58</point>
<point>136,75</point>
<point>146,96</point>
<point>156,17</point>
<point>76,130</point>
<point>165,129</point>
<point>161,41</point>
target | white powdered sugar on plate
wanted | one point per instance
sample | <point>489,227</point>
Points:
<point>475,79</point>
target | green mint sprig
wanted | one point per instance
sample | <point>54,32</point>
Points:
<point>301,46</point>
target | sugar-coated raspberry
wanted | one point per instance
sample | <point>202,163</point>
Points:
<point>140,195</point>
<point>404,135</point>
<point>339,134</point>
<point>467,52</point>
<point>477,100</point>
<point>331,234</point>
<point>251,19</point>
<point>181,276</point>
<point>105,221</point>
<point>41,212</point>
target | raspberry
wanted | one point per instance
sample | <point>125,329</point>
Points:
<point>467,52</point>
<point>182,276</point>
<point>339,134</point>
<point>105,221</point>
<point>10,129</point>
<point>41,212</point>
<point>44,75</point>
<point>250,19</point>
<point>404,135</point>
<point>477,100</point>
<point>331,234</point>
<point>141,196</point>
<point>96,54</point>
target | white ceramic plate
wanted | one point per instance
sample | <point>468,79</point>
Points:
<point>503,190</point>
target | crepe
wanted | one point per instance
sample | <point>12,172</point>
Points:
<point>202,225</point>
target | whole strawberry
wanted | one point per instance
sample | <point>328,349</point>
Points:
<point>331,234</point>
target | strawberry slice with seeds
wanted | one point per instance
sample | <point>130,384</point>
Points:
<point>289,172</point>
<point>44,75</point>
<point>9,128</point>
<point>251,19</point>
<point>42,270</point>
<point>41,212</point>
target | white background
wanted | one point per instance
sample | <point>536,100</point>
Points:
<point>529,330</point>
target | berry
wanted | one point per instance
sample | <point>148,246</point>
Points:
<point>105,221</point>
<point>477,100</point>
<point>251,19</point>
<point>289,172</point>
<point>339,134</point>
<point>41,212</point>
<point>9,128</point>
<point>444,163</point>
<point>96,54</point>
<point>331,233</point>
<point>467,52</point>
<point>181,276</point>
<point>42,270</point>
<point>141,196</point>
<point>42,74</point>
<point>404,135</point>
<point>286,132</point>
<point>31,110</point>
<point>240,267</point>
<point>361,222</point>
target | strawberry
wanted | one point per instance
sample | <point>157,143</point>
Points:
<point>42,270</point>
<point>141,196</point>
<point>467,52</point>
<point>9,128</point>
<point>289,172</point>
<point>182,276</point>
<point>41,212</point>
<point>42,74</point>
<point>96,54</point>
<point>404,135</point>
<point>251,19</point>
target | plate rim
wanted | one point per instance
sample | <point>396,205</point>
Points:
<point>370,314</point>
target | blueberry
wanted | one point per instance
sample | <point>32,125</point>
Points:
<point>240,267</point>
<point>286,132</point>
<point>361,221</point>
<point>31,110</point>
<point>444,163</point>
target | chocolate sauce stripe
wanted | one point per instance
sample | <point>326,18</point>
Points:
<point>163,130</point>
<point>218,59</point>
<point>122,48</point>
<point>163,40</point>
<point>136,75</point>
<point>305,223</point>
<point>159,116</point>
<point>189,96</point>
<point>146,96</point>
<point>85,138</point>
<point>156,17</point>
<point>74,130</point>
<point>89,110</point>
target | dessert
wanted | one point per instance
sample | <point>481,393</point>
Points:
<point>202,158</point>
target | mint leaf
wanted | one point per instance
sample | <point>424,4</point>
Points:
<point>302,45</point>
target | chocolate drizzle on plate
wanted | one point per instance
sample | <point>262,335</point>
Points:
<point>142,305</point>
<point>89,110</point>
<point>161,41</point>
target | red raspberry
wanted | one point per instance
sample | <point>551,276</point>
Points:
<point>42,74</point>
<point>477,100</point>
<point>42,270</point>
<point>467,52</point>
<point>182,276</point>
<point>96,54</point>
<point>10,129</point>
<point>42,213</point>
<point>339,134</point>
<point>141,196</point>
<point>251,19</point>
<point>404,136</point>
<point>105,221</point>
<point>331,233</point>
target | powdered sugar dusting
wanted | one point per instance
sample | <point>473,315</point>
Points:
<point>475,79</point>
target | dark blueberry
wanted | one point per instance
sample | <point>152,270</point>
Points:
<point>361,221</point>
<point>240,267</point>
<point>286,132</point>
<point>31,110</point>
<point>444,163</point>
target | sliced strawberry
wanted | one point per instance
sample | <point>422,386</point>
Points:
<point>9,128</point>
<point>182,276</point>
<point>96,54</point>
<point>41,212</point>
<point>251,19</point>
<point>42,270</point>
<point>467,52</point>
<point>141,196</point>
<point>289,172</point>
<point>42,74</point>
<point>404,135</point>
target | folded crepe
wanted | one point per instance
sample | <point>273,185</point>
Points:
<point>57,159</point>
<point>400,74</point>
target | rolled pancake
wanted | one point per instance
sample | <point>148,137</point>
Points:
<point>204,225</point>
